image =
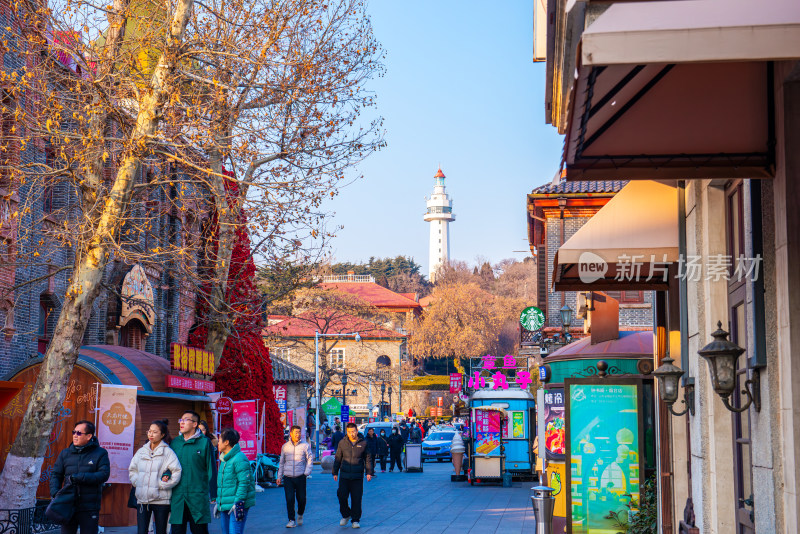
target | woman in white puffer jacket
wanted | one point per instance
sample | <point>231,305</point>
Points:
<point>154,471</point>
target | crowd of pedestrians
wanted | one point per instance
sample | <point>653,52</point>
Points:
<point>178,484</point>
<point>175,482</point>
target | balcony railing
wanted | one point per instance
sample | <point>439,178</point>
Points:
<point>440,209</point>
<point>348,278</point>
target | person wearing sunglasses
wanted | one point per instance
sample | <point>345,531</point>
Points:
<point>84,464</point>
<point>190,503</point>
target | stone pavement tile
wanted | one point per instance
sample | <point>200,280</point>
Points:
<point>397,503</point>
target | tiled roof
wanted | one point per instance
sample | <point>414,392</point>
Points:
<point>283,371</point>
<point>378,296</point>
<point>306,324</point>
<point>587,186</point>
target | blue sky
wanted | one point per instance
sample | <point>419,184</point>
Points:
<point>460,91</point>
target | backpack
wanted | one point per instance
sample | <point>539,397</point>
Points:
<point>415,433</point>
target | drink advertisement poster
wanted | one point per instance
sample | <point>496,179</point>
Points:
<point>116,415</point>
<point>487,432</point>
<point>603,424</point>
<point>517,422</point>
<point>455,382</point>
<point>555,428</point>
<point>245,421</point>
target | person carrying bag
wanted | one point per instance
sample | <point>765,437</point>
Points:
<point>84,465</point>
<point>154,470</point>
<point>236,490</point>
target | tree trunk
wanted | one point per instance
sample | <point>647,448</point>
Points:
<point>219,315</point>
<point>20,476</point>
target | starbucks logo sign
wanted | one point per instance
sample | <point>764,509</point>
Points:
<point>531,318</point>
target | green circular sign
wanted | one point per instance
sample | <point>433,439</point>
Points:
<point>531,318</point>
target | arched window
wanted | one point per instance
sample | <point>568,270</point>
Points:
<point>382,366</point>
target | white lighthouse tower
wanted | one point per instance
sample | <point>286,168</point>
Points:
<point>440,215</point>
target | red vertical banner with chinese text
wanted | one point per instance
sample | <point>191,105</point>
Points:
<point>245,421</point>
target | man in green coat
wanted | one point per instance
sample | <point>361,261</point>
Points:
<point>236,490</point>
<point>190,503</point>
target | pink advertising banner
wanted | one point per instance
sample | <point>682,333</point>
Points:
<point>245,421</point>
<point>116,417</point>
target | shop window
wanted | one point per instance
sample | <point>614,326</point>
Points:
<point>48,182</point>
<point>8,143</point>
<point>336,359</point>
<point>742,443</point>
<point>627,297</point>
<point>45,312</point>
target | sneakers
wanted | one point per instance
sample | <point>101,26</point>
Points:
<point>344,521</point>
<point>356,525</point>
<point>299,520</point>
<point>291,524</point>
<point>383,470</point>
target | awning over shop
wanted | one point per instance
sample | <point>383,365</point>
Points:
<point>632,238</point>
<point>679,89</point>
<point>332,406</point>
<point>681,31</point>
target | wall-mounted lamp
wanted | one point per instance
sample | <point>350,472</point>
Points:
<point>668,378</point>
<point>721,355</point>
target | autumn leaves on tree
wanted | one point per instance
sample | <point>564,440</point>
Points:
<point>129,112</point>
<point>471,315</point>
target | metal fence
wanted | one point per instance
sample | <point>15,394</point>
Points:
<point>26,521</point>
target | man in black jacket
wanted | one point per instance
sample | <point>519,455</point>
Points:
<point>395,448</point>
<point>352,460</point>
<point>337,437</point>
<point>84,464</point>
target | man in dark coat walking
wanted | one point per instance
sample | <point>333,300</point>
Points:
<point>352,460</point>
<point>404,431</point>
<point>337,437</point>
<point>395,448</point>
<point>84,464</point>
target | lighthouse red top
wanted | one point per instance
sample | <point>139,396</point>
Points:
<point>439,174</point>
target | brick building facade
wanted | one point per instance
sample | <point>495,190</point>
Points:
<point>555,212</point>
<point>29,312</point>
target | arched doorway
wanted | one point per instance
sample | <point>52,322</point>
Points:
<point>133,335</point>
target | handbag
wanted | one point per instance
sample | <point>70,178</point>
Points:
<point>62,505</point>
<point>132,498</point>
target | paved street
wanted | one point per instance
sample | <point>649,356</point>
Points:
<point>400,502</point>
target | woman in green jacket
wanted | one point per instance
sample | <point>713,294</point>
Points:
<point>236,490</point>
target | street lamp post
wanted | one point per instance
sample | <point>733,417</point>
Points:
<point>317,335</point>
<point>566,320</point>
<point>383,391</point>
<point>344,389</point>
<point>390,400</point>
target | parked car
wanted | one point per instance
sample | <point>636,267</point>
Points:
<point>437,445</point>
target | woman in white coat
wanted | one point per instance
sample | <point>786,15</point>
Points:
<point>154,471</point>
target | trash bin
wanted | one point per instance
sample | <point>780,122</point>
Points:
<point>543,504</point>
<point>414,457</point>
